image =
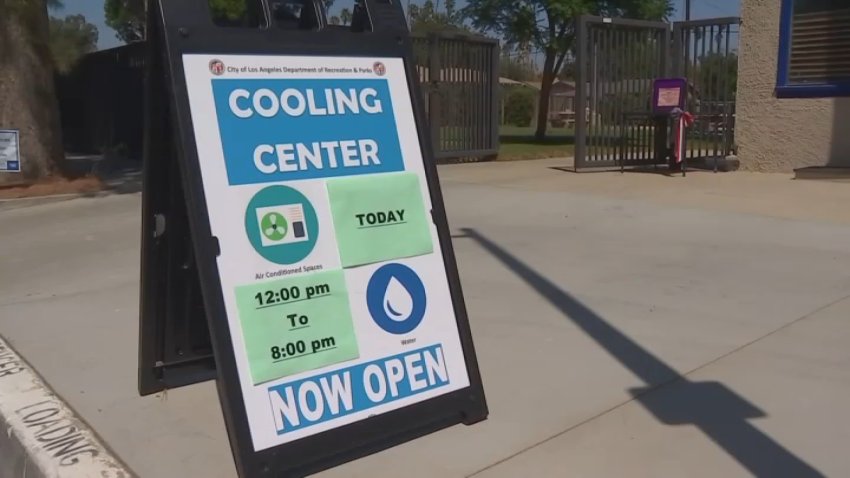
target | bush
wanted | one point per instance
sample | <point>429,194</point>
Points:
<point>519,106</point>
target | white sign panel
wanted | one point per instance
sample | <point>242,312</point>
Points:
<point>10,151</point>
<point>331,270</point>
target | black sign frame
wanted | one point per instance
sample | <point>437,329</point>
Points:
<point>178,27</point>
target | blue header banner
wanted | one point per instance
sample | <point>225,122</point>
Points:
<point>289,130</point>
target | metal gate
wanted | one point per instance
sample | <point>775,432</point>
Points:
<point>459,74</point>
<point>101,105</point>
<point>617,61</point>
<point>705,54</point>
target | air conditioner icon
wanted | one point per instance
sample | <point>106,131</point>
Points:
<point>282,224</point>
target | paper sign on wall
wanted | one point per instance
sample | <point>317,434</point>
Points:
<point>10,151</point>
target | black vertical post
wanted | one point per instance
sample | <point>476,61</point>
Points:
<point>678,51</point>
<point>581,94</point>
<point>623,148</point>
<point>649,60</point>
<point>619,77</point>
<point>473,117</point>
<point>495,95</point>
<point>699,113</point>
<point>173,345</point>
<point>604,82</point>
<point>593,139</point>
<point>646,71</point>
<point>476,118</point>
<point>153,224</point>
<point>435,111</point>
<point>660,142</point>
<point>727,100</point>
<point>687,32</point>
<point>716,94</point>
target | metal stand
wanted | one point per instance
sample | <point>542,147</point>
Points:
<point>184,324</point>
<point>682,166</point>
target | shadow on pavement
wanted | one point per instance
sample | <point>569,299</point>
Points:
<point>716,410</point>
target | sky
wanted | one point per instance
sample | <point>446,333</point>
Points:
<point>93,11</point>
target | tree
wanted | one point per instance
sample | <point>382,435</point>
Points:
<point>516,67</point>
<point>127,18</point>
<point>70,38</point>
<point>429,18</point>
<point>26,87</point>
<point>717,75</point>
<point>549,25</point>
<point>519,105</point>
<point>346,16</point>
<point>231,10</point>
<point>568,69</point>
<point>640,9</point>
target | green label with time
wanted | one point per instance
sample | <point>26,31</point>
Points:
<point>295,325</point>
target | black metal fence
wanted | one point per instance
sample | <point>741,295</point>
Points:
<point>617,61</point>
<point>705,52</point>
<point>101,101</point>
<point>460,80</point>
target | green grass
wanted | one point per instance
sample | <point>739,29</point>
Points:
<point>519,143</point>
<point>528,131</point>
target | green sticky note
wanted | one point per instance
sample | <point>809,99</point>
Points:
<point>295,325</point>
<point>379,218</point>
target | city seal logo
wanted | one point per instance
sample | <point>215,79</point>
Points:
<point>379,68</point>
<point>217,67</point>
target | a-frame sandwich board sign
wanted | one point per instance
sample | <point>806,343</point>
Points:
<point>318,231</point>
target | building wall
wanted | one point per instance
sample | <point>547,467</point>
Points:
<point>781,134</point>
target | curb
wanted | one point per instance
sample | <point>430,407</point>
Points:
<point>41,437</point>
<point>9,204</point>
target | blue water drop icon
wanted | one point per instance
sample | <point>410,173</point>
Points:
<point>396,298</point>
<point>398,303</point>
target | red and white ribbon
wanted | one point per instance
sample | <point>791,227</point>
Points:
<point>685,119</point>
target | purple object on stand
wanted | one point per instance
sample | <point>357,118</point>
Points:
<point>668,94</point>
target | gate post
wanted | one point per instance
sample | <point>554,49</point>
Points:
<point>581,94</point>
<point>435,112</point>
<point>661,140</point>
<point>496,97</point>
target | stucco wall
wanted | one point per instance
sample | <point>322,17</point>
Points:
<point>781,134</point>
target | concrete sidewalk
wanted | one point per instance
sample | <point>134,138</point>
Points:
<point>626,325</point>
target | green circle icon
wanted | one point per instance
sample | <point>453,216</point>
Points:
<point>281,225</point>
<point>274,226</point>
